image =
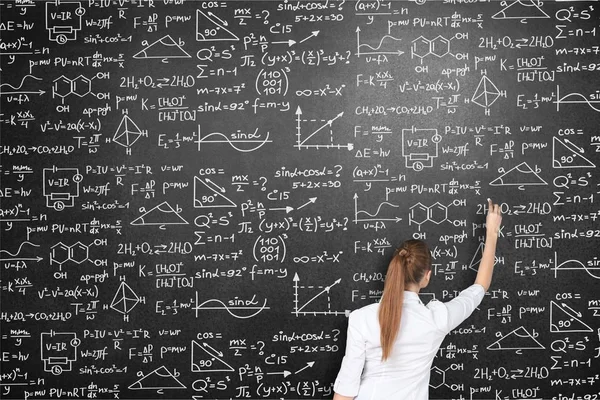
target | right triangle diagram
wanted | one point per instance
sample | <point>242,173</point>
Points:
<point>207,359</point>
<point>208,194</point>
<point>564,319</point>
<point>209,27</point>
<point>519,339</point>
<point>566,154</point>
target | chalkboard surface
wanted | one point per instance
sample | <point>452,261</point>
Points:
<point>195,194</point>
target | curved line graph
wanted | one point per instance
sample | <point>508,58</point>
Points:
<point>580,266</point>
<point>22,82</point>
<point>561,100</point>
<point>20,247</point>
<point>380,42</point>
<point>223,306</point>
<point>378,209</point>
<point>231,142</point>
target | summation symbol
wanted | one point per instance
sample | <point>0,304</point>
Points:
<point>318,299</point>
<point>319,129</point>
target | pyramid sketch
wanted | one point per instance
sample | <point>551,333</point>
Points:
<point>207,359</point>
<point>158,379</point>
<point>209,22</point>
<point>565,319</point>
<point>566,155</point>
<point>521,175</point>
<point>518,339</point>
<point>486,93</point>
<point>162,214</point>
<point>209,195</point>
<point>474,264</point>
<point>127,133</point>
<point>125,299</point>
<point>165,47</point>
<point>521,9</point>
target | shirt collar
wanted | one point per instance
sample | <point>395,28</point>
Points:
<point>411,296</point>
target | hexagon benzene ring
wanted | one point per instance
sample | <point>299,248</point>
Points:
<point>436,213</point>
<point>60,253</point>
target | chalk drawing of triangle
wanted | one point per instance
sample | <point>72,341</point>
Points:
<point>162,214</point>
<point>521,175</point>
<point>519,339</point>
<point>486,93</point>
<point>209,22</point>
<point>207,359</point>
<point>165,47</point>
<point>125,299</point>
<point>208,195</point>
<point>521,9</point>
<point>565,156</point>
<point>160,378</point>
<point>563,319</point>
<point>127,133</point>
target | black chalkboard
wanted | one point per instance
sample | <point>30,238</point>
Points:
<point>195,194</point>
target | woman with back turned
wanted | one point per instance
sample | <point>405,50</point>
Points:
<point>391,344</point>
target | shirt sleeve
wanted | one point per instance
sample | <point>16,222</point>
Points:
<point>348,379</point>
<point>452,313</point>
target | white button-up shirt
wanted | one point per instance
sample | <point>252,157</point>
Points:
<point>405,374</point>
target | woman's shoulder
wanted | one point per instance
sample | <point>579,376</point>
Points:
<point>365,311</point>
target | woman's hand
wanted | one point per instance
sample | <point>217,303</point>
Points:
<point>493,219</point>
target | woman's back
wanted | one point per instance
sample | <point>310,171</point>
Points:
<point>405,374</point>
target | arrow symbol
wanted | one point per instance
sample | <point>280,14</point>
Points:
<point>38,259</point>
<point>212,183</point>
<point>289,42</point>
<point>219,353</point>
<point>310,200</point>
<point>40,92</point>
<point>573,311</point>
<point>574,145</point>
<point>314,33</point>
<point>286,209</point>
<point>308,365</point>
<point>284,373</point>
